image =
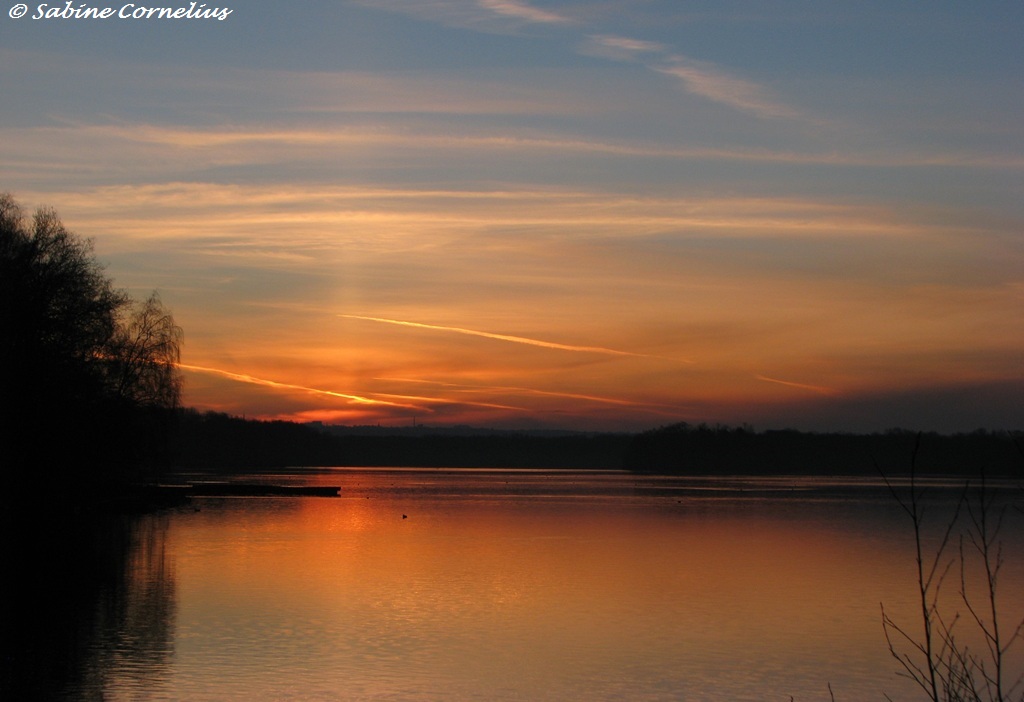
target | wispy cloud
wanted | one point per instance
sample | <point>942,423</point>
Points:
<point>521,10</point>
<point>714,84</point>
<point>496,16</point>
<point>700,78</point>
<point>508,337</point>
<point>197,210</point>
<point>624,47</point>
<point>85,154</point>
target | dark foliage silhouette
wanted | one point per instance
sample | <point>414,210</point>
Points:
<point>88,387</point>
<point>684,449</point>
<point>217,442</point>
<point>87,377</point>
<point>143,357</point>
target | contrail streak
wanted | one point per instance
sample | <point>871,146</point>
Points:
<point>513,339</point>
<point>358,399</point>
<point>443,401</point>
<point>524,391</point>
<point>242,378</point>
<point>820,389</point>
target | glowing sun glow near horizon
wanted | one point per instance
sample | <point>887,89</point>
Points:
<point>552,214</point>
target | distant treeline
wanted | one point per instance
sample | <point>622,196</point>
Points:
<point>214,441</point>
<point>698,450</point>
<point>218,442</point>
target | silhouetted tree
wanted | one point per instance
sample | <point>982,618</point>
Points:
<point>80,365</point>
<point>144,353</point>
<point>936,656</point>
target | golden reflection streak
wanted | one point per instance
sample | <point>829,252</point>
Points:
<point>514,339</point>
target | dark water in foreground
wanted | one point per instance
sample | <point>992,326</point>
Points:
<point>527,585</point>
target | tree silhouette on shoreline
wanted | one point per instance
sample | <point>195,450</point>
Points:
<point>87,376</point>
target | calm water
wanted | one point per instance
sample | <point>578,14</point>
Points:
<point>459,585</point>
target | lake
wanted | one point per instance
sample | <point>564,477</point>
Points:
<point>426,584</point>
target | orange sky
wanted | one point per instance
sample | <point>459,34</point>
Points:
<point>518,215</point>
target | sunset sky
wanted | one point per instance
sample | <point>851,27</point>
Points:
<point>607,214</point>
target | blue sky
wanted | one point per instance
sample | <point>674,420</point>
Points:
<point>575,214</point>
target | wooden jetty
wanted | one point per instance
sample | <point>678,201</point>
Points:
<point>260,490</point>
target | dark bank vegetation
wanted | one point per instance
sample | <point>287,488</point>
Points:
<point>683,449</point>
<point>88,377</point>
<point>218,442</point>
<point>89,388</point>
